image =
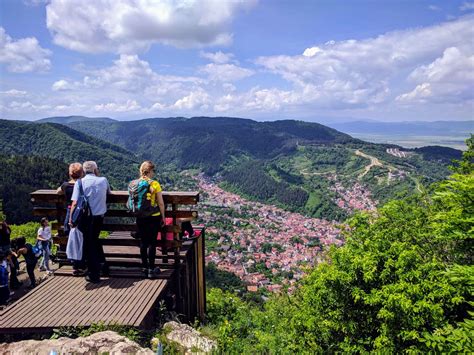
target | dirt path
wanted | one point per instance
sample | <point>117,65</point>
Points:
<point>373,162</point>
<point>303,172</point>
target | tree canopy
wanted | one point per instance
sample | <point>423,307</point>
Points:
<point>403,282</point>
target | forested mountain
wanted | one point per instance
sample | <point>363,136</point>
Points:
<point>67,145</point>
<point>71,119</point>
<point>19,176</point>
<point>300,166</point>
<point>293,164</point>
<point>209,142</point>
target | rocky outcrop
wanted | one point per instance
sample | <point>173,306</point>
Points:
<point>188,338</point>
<point>102,342</point>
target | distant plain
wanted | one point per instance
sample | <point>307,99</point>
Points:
<point>415,141</point>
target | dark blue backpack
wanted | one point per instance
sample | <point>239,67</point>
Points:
<point>82,209</point>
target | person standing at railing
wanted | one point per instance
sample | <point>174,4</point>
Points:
<point>95,189</point>
<point>149,226</point>
<point>75,173</point>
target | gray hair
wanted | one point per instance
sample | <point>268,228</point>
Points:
<point>89,167</point>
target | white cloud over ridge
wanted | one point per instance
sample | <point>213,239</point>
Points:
<point>23,55</point>
<point>217,57</point>
<point>361,72</point>
<point>128,26</point>
<point>402,70</point>
<point>449,78</point>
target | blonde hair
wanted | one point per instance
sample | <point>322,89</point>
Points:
<point>146,168</point>
<point>76,171</point>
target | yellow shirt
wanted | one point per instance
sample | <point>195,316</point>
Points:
<point>155,187</point>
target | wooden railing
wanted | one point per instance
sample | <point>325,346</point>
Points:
<point>190,275</point>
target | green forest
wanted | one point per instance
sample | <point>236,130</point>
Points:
<point>291,164</point>
<point>402,283</point>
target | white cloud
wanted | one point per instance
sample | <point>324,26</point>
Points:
<point>112,107</point>
<point>23,55</point>
<point>127,26</point>
<point>467,6</point>
<point>13,93</point>
<point>195,100</point>
<point>217,57</point>
<point>403,70</point>
<point>450,78</point>
<point>61,85</point>
<point>311,52</point>
<point>225,72</point>
<point>360,73</point>
<point>434,8</point>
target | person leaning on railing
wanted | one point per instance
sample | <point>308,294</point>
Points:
<point>95,189</point>
<point>75,173</point>
<point>148,227</point>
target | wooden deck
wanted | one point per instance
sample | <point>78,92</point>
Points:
<point>64,301</point>
<point>125,297</point>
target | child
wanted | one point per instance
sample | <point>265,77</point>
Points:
<point>43,242</point>
<point>26,249</point>
<point>4,290</point>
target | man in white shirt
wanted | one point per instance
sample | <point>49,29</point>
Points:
<point>95,189</point>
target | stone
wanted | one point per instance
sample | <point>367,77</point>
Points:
<point>188,337</point>
<point>102,342</point>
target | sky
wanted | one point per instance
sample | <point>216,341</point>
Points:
<point>315,60</point>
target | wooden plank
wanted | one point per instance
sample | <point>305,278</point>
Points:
<point>106,305</point>
<point>169,197</point>
<point>68,292</point>
<point>122,301</point>
<point>138,317</point>
<point>32,297</point>
<point>56,309</point>
<point>108,302</point>
<point>54,211</point>
<point>142,285</point>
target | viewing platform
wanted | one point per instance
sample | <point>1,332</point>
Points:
<point>124,296</point>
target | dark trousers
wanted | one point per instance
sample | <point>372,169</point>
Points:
<point>148,228</point>
<point>14,282</point>
<point>30,269</point>
<point>92,250</point>
<point>4,295</point>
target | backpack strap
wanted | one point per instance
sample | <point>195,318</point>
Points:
<point>83,194</point>
<point>81,190</point>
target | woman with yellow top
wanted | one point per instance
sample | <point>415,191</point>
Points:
<point>148,227</point>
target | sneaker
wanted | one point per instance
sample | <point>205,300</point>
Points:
<point>105,271</point>
<point>17,285</point>
<point>42,268</point>
<point>152,273</point>
<point>78,272</point>
<point>92,279</point>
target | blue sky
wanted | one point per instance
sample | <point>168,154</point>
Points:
<point>313,60</point>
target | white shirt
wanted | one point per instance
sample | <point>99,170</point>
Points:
<point>95,189</point>
<point>45,233</point>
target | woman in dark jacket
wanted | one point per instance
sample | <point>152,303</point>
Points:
<point>75,173</point>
